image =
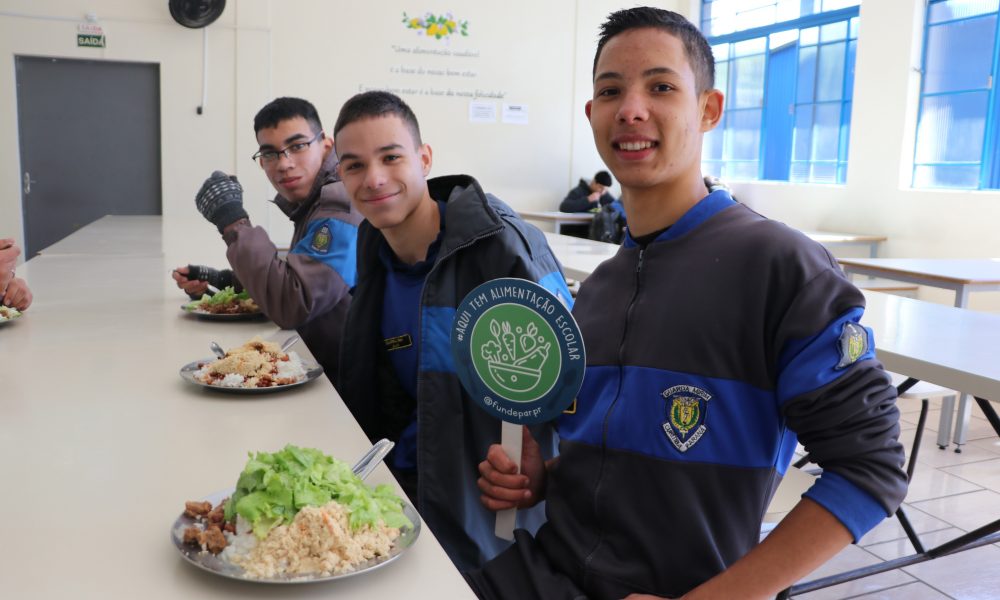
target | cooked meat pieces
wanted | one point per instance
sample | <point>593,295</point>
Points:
<point>217,515</point>
<point>197,509</point>
<point>214,540</point>
<point>192,536</point>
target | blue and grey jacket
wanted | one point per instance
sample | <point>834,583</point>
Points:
<point>710,352</point>
<point>309,290</point>
<point>484,239</point>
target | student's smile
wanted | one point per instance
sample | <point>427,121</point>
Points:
<point>630,147</point>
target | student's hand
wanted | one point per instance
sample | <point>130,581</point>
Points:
<point>18,295</point>
<point>8,259</point>
<point>192,287</point>
<point>220,200</point>
<point>594,197</point>
<point>502,486</point>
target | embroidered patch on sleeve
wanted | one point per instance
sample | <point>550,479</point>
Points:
<point>321,239</point>
<point>853,344</point>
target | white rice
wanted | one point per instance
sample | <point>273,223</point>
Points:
<point>292,367</point>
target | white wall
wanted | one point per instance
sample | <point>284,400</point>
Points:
<point>535,53</point>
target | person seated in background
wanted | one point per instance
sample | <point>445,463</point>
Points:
<point>14,291</point>
<point>716,339</point>
<point>424,245</point>
<point>309,290</point>
<point>588,196</point>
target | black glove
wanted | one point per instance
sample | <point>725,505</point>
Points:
<point>220,200</point>
<point>215,278</point>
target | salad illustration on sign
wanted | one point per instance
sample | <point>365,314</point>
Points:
<point>436,26</point>
<point>514,354</point>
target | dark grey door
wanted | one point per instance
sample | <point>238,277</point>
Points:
<point>89,134</point>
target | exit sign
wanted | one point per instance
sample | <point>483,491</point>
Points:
<point>90,34</point>
<point>87,40</point>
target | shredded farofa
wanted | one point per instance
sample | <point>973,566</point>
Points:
<point>319,541</point>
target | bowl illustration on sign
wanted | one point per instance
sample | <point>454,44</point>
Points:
<point>516,355</point>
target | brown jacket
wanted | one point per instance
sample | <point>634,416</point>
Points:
<point>310,289</point>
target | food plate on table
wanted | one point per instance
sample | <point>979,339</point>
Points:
<point>225,305</point>
<point>255,367</point>
<point>8,314</point>
<point>244,533</point>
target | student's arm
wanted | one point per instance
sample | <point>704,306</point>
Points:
<point>805,539</point>
<point>576,201</point>
<point>316,275</point>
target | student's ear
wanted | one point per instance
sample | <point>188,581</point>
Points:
<point>586,108</point>
<point>327,142</point>
<point>426,158</point>
<point>711,109</point>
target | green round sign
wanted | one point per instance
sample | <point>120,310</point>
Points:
<point>518,351</point>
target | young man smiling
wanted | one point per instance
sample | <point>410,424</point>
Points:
<point>715,340</point>
<point>308,290</point>
<point>425,244</point>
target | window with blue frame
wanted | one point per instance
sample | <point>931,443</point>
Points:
<point>787,70</point>
<point>957,138</point>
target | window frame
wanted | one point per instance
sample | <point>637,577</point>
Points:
<point>817,20</point>
<point>989,156</point>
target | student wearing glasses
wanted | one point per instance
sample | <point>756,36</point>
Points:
<point>309,290</point>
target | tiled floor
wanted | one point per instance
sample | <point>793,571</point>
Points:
<point>949,495</point>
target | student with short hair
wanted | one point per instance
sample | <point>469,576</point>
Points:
<point>309,290</point>
<point>424,245</point>
<point>716,339</point>
<point>588,196</point>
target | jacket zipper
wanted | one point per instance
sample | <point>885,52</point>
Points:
<point>611,408</point>
<point>420,326</point>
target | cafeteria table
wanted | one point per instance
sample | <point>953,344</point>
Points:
<point>947,346</point>
<point>832,238</point>
<point>961,275</point>
<point>557,218</point>
<point>103,442</point>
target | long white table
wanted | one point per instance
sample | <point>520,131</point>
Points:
<point>963,276</point>
<point>557,218</point>
<point>578,256</point>
<point>833,238</point>
<point>103,441</point>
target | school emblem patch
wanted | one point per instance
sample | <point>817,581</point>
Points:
<point>853,344</point>
<point>686,406</point>
<point>321,239</point>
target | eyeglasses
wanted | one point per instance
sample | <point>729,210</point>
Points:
<point>270,157</point>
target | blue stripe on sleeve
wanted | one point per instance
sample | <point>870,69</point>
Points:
<point>555,282</point>
<point>809,364</point>
<point>341,253</point>
<point>855,508</point>
<point>435,339</point>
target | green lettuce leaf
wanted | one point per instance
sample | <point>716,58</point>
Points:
<point>273,487</point>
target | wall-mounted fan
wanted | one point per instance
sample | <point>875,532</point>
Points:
<point>196,13</point>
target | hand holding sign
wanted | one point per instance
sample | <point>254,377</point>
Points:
<point>519,355</point>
